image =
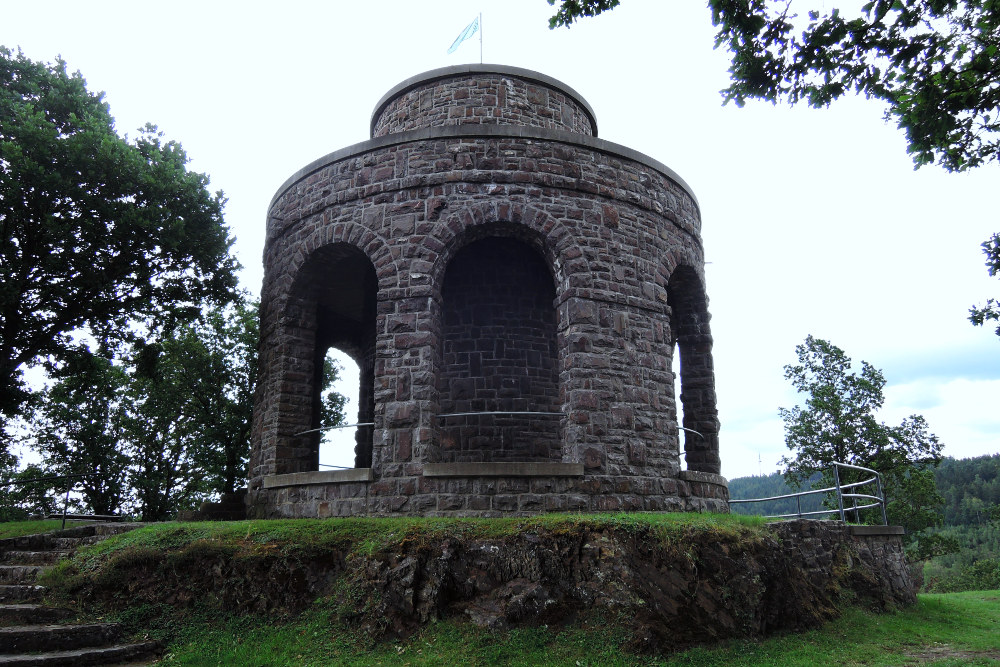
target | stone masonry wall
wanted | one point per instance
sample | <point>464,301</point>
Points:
<point>499,354</point>
<point>609,226</point>
<point>483,98</point>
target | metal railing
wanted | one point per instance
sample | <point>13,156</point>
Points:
<point>443,416</point>
<point>492,413</point>
<point>843,492</point>
<point>69,487</point>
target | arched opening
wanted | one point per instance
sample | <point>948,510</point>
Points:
<point>337,447</point>
<point>691,338</point>
<point>499,375</point>
<point>675,369</point>
<point>334,310</point>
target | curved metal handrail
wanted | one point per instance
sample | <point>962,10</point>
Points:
<point>837,488</point>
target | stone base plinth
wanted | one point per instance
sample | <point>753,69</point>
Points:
<point>485,490</point>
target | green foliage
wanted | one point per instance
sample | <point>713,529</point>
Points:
<point>983,575</point>
<point>570,10</point>
<point>768,486</point>
<point>934,64</point>
<point>976,543</point>
<point>971,488</point>
<point>331,405</point>
<point>26,492</point>
<point>931,545</point>
<point>28,527</point>
<point>96,230</point>
<point>191,404</point>
<point>839,424</point>
<point>991,311</point>
<point>78,428</point>
<point>165,426</point>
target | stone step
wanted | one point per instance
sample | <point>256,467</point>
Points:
<point>108,529</point>
<point>48,557</point>
<point>40,543</point>
<point>66,543</point>
<point>28,638</point>
<point>12,593</point>
<point>19,574</point>
<point>37,638</point>
<point>68,539</point>
<point>109,655</point>
<point>31,614</point>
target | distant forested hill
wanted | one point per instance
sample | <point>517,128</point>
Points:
<point>969,487</point>
<point>768,486</point>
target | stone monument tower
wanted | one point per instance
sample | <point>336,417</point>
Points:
<point>514,291</point>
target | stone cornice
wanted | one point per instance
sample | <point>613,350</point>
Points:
<point>485,132</point>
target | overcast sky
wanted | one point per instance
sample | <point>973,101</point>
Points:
<point>814,221</point>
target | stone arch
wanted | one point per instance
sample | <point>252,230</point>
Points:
<point>372,245</point>
<point>691,338</point>
<point>331,303</point>
<point>498,349</point>
<point>540,230</point>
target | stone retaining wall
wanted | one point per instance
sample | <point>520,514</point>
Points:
<point>668,586</point>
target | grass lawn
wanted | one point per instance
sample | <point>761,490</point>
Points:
<point>952,629</point>
<point>19,528</point>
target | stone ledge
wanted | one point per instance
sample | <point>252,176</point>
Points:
<point>503,470</point>
<point>485,132</point>
<point>876,530</point>
<point>319,477</point>
<point>705,477</point>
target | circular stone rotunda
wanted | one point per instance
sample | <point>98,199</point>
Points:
<point>513,290</point>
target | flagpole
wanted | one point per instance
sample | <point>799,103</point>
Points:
<point>480,38</point>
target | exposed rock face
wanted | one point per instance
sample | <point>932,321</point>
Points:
<point>701,586</point>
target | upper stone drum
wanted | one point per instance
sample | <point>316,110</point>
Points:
<point>513,290</point>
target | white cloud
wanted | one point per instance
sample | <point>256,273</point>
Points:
<point>814,220</point>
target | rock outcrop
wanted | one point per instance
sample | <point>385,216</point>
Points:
<point>674,588</point>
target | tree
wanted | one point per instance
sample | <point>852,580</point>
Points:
<point>172,416</point>
<point>95,229</point>
<point>839,423</point>
<point>192,389</point>
<point>209,369</point>
<point>27,492</point>
<point>78,429</point>
<point>991,311</point>
<point>331,402</point>
<point>162,473</point>
<point>934,63</point>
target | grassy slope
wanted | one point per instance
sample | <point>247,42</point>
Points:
<point>956,629</point>
<point>19,528</point>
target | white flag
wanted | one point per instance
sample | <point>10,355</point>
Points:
<point>469,31</point>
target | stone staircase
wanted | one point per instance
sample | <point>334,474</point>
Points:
<point>33,633</point>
